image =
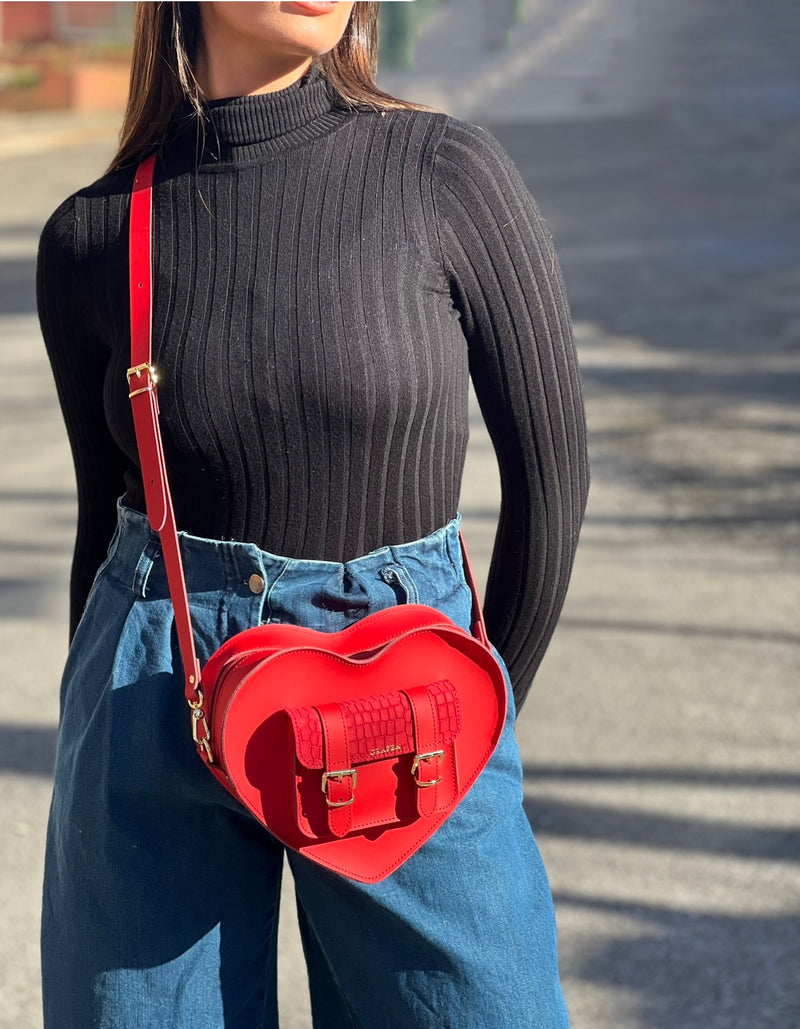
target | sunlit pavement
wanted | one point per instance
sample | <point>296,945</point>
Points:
<point>660,741</point>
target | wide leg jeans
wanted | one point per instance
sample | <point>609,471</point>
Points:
<point>161,893</point>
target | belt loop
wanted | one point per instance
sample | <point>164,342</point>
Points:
<point>144,566</point>
<point>273,577</point>
<point>452,547</point>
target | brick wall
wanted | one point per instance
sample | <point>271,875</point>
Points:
<point>32,22</point>
<point>25,22</point>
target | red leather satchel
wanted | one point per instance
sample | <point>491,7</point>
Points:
<point>351,747</point>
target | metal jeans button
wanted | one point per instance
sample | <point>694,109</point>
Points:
<point>256,583</point>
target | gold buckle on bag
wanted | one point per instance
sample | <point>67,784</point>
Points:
<point>422,783</point>
<point>139,370</point>
<point>339,777</point>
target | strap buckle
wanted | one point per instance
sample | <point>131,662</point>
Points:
<point>422,783</point>
<point>340,776</point>
<point>140,370</point>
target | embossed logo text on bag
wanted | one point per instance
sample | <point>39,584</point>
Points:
<point>385,750</point>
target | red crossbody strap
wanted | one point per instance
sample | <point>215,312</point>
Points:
<point>144,403</point>
<point>141,374</point>
<point>476,619</point>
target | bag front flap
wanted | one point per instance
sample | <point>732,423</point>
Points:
<point>376,727</point>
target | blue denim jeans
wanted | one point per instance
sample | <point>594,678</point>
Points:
<point>161,893</point>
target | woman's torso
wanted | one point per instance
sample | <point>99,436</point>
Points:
<point>313,373</point>
<point>326,282</point>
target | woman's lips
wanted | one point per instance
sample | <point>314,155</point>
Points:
<point>313,6</point>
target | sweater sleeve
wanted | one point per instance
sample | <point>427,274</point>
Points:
<point>506,285</point>
<point>65,294</point>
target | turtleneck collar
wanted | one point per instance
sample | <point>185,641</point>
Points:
<point>241,128</point>
<point>240,120</point>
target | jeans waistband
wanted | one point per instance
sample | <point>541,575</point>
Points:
<point>135,553</point>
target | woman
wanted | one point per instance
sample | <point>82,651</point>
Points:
<point>330,266</point>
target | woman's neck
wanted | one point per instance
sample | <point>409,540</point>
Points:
<point>237,69</point>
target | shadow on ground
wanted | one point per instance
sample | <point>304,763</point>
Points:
<point>684,968</point>
<point>28,749</point>
<point>698,971</point>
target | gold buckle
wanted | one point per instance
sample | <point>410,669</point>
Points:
<point>199,723</point>
<point>415,766</point>
<point>139,370</point>
<point>344,773</point>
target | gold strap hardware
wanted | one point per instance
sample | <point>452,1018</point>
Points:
<point>422,783</point>
<point>139,370</point>
<point>201,734</point>
<point>339,777</point>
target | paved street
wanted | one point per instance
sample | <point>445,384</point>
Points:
<point>660,743</point>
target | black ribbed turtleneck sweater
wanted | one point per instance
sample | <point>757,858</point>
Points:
<point>325,280</point>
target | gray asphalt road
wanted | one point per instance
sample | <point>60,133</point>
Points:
<point>661,740</point>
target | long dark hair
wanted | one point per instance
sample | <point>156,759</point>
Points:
<point>166,39</point>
